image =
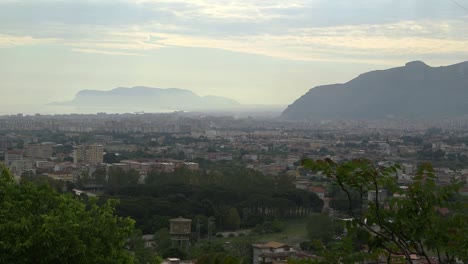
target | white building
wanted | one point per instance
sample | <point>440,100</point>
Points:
<point>271,252</point>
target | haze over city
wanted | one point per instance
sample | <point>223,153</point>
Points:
<point>255,52</point>
<point>234,131</point>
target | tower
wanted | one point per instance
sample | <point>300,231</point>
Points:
<point>180,230</point>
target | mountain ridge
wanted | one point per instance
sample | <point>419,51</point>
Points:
<point>149,97</point>
<point>415,90</point>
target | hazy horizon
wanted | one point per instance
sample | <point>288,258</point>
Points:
<point>255,52</point>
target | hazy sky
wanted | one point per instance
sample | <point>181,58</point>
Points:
<point>254,51</point>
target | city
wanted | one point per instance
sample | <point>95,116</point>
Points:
<point>233,132</point>
<point>104,155</point>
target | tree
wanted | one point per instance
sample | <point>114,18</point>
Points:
<point>58,185</point>
<point>110,158</point>
<point>320,227</point>
<point>206,248</point>
<point>407,222</point>
<point>143,254</point>
<point>119,178</point>
<point>163,239</point>
<point>100,176</point>
<point>40,225</point>
<point>216,258</point>
<point>174,253</point>
<point>232,219</point>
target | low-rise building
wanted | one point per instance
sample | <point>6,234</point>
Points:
<point>271,252</point>
<point>13,155</point>
<point>320,191</point>
<point>40,151</point>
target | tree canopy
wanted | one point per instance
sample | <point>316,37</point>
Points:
<point>40,225</point>
<point>235,196</point>
<point>422,218</point>
<point>321,227</point>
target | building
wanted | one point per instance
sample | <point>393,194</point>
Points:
<point>40,151</point>
<point>320,191</point>
<point>63,176</point>
<point>17,167</point>
<point>89,154</point>
<point>192,166</point>
<point>176,261</point>
<point>271,252</point>
<point>13,155</point>
<point>180,230</point>
<point>5,142</point>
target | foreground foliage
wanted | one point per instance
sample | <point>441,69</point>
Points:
<point>39,225</point>
<point>422,218</point>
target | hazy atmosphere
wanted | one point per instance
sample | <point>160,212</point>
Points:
<point>234,131</point>
<point>255,52</point>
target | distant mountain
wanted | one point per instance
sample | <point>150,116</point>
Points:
<point>150,98</point>
<point>413,91</point>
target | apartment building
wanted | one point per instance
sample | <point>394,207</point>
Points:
<point>88,154</point>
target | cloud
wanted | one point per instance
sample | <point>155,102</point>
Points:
<point>304,30</point>
<point>14,41</point>
<point>331,43</point>
<point>103,52</point>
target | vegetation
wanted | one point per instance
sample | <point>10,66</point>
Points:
<point>219,258</point>
<point>233,196</point>
<point>321,227</point>
<point>424,218</point>
<point>268,227</point>
<point>39,225</point>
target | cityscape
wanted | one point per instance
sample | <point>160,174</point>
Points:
<point>233,132</point>
<point>106,155</point>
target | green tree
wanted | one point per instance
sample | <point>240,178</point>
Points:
<point>39,225</point>
<point>143,254</point>
<point>174,253</point>
<point>119,178</point>
<point>110,158</point>
<point>320,227</point>
<point>57,185</point>
<point>410,221</point>
<point>205,249</point>
<point>100,176</point>
<point>232,219</point>
<point>218,258</point>
<point>163,239</point>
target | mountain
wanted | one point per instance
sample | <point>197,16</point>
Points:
<point>413,91</point>
<point>150,98</point>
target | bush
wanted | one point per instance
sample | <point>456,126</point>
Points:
<point>306,245</point>
<point>268,227</point>
<point>258,229</point>
<point>274,226</point>
<point>174,253</point>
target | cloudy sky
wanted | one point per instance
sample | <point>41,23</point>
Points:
<point>254,51</point>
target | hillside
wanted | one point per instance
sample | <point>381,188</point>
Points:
<point>147,97</point>
<point>415,90</point>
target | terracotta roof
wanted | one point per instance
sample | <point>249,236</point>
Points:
<point>317,189</point>
<point>272,244</point>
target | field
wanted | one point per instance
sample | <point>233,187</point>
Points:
<point>294,233</point>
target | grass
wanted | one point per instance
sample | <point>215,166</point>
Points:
<point>294,233</point>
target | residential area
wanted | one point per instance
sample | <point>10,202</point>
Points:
<point>185,156</point>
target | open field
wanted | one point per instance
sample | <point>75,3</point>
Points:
<point>294,233</point>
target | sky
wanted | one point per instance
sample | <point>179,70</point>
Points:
<point>254,51</point>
